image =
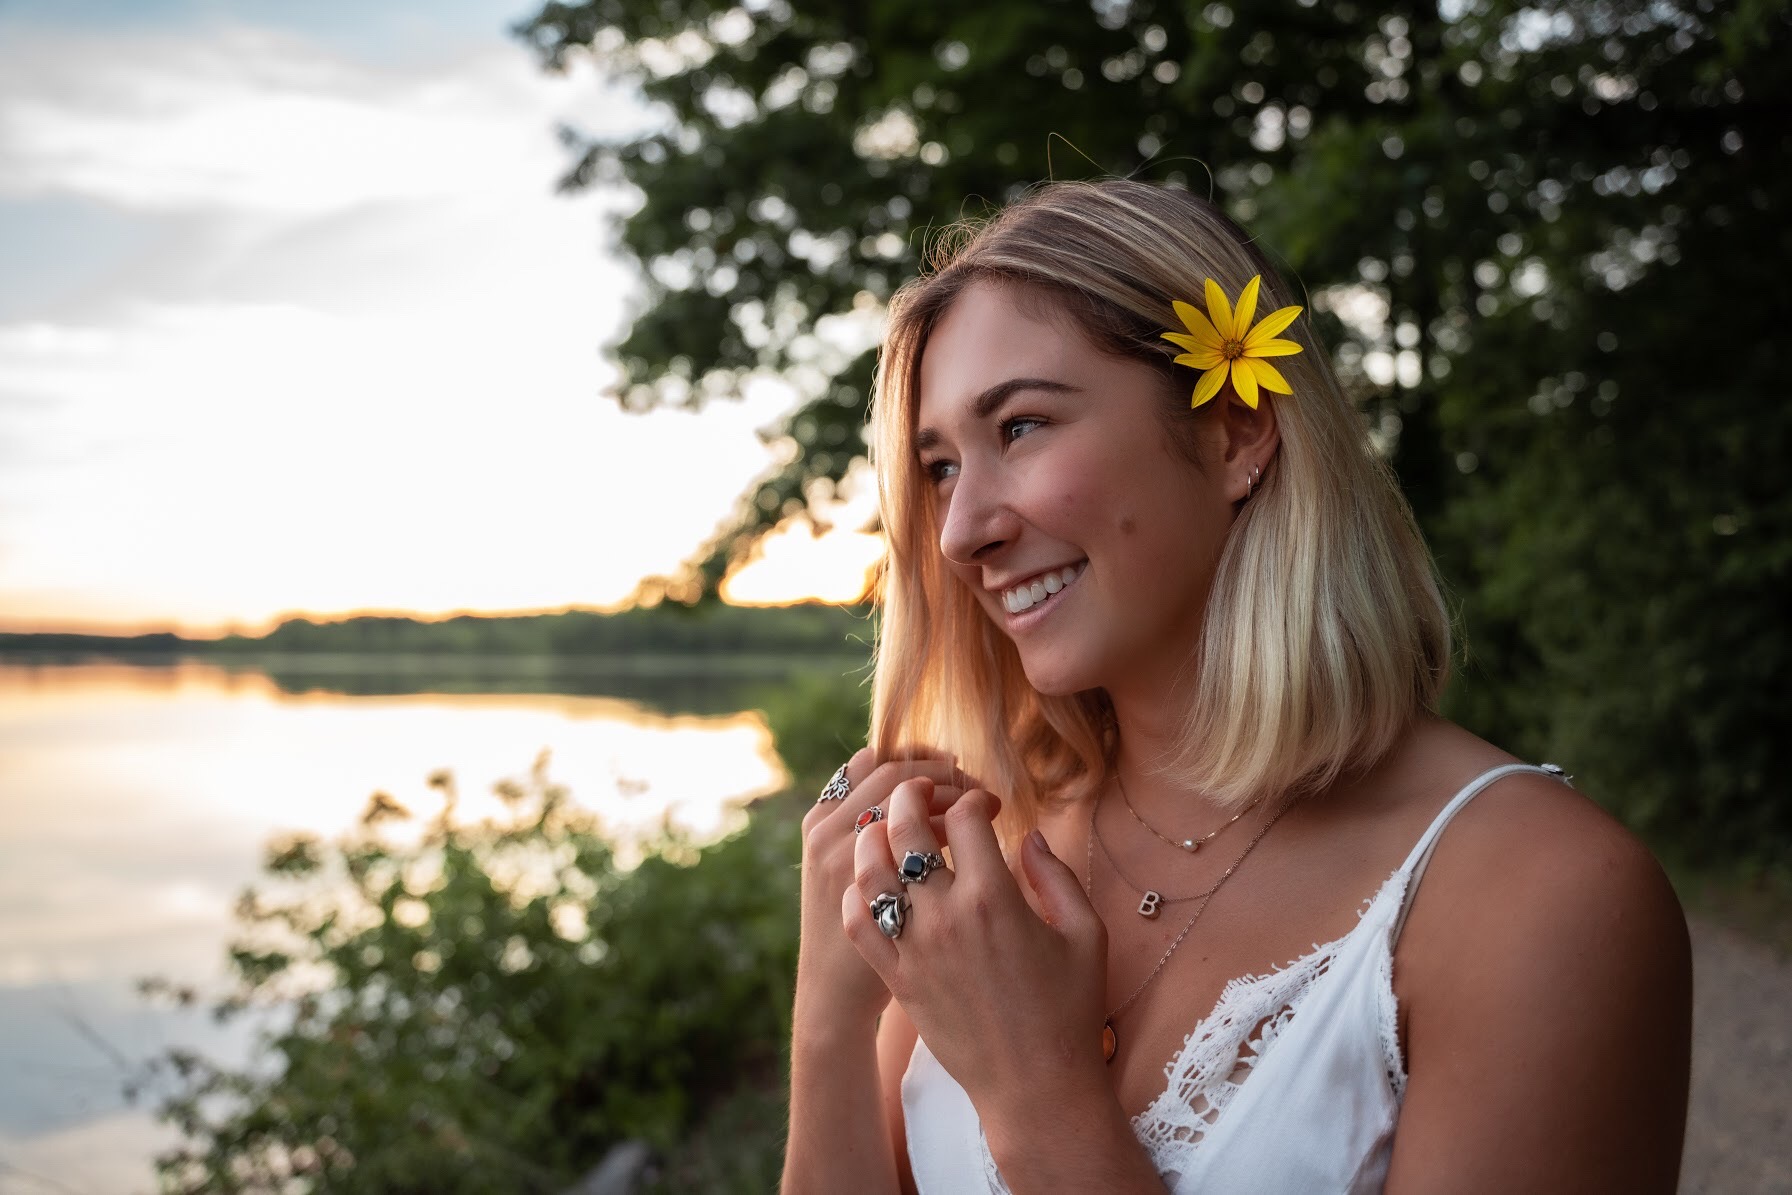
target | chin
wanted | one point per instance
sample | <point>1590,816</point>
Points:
<point>1057,678</point>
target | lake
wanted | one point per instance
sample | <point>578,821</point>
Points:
<point>136,800</point>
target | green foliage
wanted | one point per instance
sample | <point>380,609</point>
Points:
<point>453,1007</point>
<point>818,719</point>
<point>1531,202</point>
<point>668,628</point>
<point>711,628</point>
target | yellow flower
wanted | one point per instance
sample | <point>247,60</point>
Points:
<point>1227,343</point>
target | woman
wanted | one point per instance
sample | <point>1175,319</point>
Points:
<point>1149,584</point>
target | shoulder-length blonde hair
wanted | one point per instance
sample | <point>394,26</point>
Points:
<point>1325,632</point>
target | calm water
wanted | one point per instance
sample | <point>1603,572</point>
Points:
<point>135,802</point>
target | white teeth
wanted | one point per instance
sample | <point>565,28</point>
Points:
<point>1025,597</point>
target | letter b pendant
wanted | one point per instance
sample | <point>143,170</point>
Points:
<point>1150,904</point>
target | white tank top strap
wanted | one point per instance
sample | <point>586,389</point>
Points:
<point>1420,857</point>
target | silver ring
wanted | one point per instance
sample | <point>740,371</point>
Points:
<point>889,909</point>
<point>836,788</point>
<point>873,814</point>
<point>917,865</point>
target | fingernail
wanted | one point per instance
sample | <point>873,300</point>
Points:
<point>1038,840</point>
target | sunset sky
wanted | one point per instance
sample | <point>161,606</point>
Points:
<point>292,319</point>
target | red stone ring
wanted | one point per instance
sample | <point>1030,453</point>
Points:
<point>873,814</point>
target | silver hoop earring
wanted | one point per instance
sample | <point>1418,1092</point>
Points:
<point>1250,481</point>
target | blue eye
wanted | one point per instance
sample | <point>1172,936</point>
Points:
<point>938,471</point>
<point>1009,425</point>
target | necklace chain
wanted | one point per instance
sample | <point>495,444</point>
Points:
<point>1187,844</point>
<point>1095,833</point>
<point>1110,1042</point>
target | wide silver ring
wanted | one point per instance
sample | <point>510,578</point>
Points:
<point>890,910</point>
<point>836,788</point>
<point>917,865</point>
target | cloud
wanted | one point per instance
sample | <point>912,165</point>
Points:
<point>261,122</point>
<point>358,365</point>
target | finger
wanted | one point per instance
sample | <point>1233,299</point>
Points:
<point>861,765</point>
<point>883,781</point>
<point>875,786</point>
<point>942,801</point>
<point>861,929</point>
<point>1062,902</point>
<point>825,808</point>
<point>970,827</point>
<point>910,831</point>
<point>873,870</point>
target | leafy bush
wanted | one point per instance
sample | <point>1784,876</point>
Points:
<point>818,719</point>
<point>488,1007</point>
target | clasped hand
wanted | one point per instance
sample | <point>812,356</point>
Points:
<point>1006,993</point>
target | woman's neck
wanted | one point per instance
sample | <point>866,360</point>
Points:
<point>1151,724</point>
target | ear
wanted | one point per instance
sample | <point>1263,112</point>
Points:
<point>1249,439</point>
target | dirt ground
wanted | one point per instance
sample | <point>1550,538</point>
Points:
<point>1739,1125</point>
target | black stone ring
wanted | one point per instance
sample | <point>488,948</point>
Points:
<point>916,866</point>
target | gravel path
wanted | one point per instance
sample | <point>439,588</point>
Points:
<point>1739,1126</point>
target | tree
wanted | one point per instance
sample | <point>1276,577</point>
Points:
<point>1503,213</point>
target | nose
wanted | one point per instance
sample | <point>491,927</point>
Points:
<point>978,519</point>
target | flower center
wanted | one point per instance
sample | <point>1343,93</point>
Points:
<point>1232,350</point>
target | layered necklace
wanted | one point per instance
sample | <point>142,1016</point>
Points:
<point>1110,1041</point>
<point>1151,901</point>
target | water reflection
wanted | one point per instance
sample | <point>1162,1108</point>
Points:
<point>135,802</point>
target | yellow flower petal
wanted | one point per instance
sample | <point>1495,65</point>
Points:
<point>1247,305</point>
<point>1219,310</point>
<point>1272,348</point>
<point>1193,344</point>
<point>1272,323</point>
<point>1267,375</point>
<point>1201,358</point>
<point>1244,380</point>
<point>1196,322</point>
<point>1209,385</point>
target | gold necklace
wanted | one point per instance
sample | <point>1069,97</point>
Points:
<point>1191,845</point>
<point>1110,1041</point>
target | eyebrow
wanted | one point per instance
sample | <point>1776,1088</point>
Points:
<point>986,403</point>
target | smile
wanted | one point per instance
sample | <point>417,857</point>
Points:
<point>1041,588</point>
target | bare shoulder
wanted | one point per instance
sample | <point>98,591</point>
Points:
<point>1545,979</point>
<point>1533,866</point>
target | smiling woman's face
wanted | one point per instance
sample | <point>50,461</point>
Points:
<point>1060,500</point>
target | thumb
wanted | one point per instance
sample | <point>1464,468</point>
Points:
<point>1061,897</point>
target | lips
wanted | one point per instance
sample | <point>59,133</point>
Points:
<point>1041,588</point>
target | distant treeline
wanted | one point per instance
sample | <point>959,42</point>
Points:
<point>668,629</point>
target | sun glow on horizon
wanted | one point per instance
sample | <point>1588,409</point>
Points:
<point>360,374</point>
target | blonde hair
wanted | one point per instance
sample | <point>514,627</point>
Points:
<point>1325,631</point>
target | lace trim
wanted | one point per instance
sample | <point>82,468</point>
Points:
<point>1387,1007</point>
<point>1219,1054</point>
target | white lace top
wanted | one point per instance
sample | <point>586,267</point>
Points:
<point>1308,1104</point>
